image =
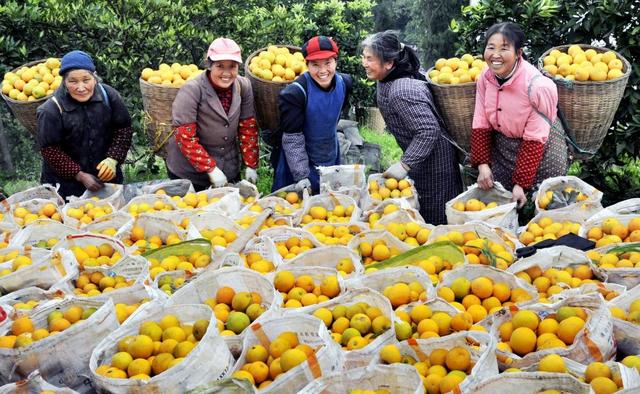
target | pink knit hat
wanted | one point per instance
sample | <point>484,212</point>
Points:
<point>224,49</point>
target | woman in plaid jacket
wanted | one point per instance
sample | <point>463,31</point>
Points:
<point>410,114</point>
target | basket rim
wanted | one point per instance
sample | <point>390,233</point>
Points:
<point>253,54</point>
<point>18,102</point>
<point>625,63</point>
<point>457,85</point>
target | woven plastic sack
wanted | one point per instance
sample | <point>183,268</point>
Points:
<point>329,201</point>
<point>348,179</point>
<point>34,206</point>
<point>84,240</point>
<point>370,236</point>
<point>318,274</point>
<point>211,220</point>
<point>629,376</point>
<point>112,193</point>
<point>280,207</point>
<point>207,284</point>
<point>404,216</point>
<point>310,331</point>
<point>504,215</point>
<point>325,256</point>
<point>582,209</point>
<point>7,231</point>
<point>627,334</point>
<point>594,342</point>
<point>149,199</point>
<point>591,223</point>
<point>480,345</point>
<point>557,257</point>
<point>75,223</point>
<point>248,191</point>
<point>115,221</point>
<point>628,277</point>
<point>45,192</point>
<point>481,229</point>
<point>61,358</point>
<point>473,271</point>
<point>173,187</point>
<point>227,202</point>
<point>34,383</point>
<point>281,234</point>
<point>362,357</point>
<point>40,231</point>
<point>556,216</point>
<point>131,267</point>
<point>379,209</point>
<point>395,378</point>
<point>47,269</point>
<point>209,361</point>
<point>626,207</point>
<point>43,297</point>
<point>262,245</point>
<point>379,280</point>
<point>151,226</point>
<point>369,203</point>
<point>530,383</point>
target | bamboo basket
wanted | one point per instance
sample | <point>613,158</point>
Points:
<point>456,104</point>
<point>375,121</point>
<point>265,93</point>
<point>157,101</point>
<point>25,111</point>
<point>589,106</point>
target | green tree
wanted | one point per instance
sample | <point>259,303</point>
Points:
<point>432,34</point>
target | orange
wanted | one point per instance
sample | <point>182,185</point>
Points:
<point>21,325</point>
<point>259,370</point>
<point>482,287</point>
<point>523,341</point>
<point>601,385</point>
<point>59,324</point>
<point>291,358</point>
<point>284,281</point>
<point>525,318</point>
<point>501,291</point>
<point>458,358</point>
<point>274,368</point>
<point>279,346</point>
<point>569,328</point>
<point>225,295</point>
<point>139,366</point>
<point>596,369</point>
<point>438,357</point>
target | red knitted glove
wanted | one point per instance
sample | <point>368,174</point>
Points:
<point>529,157</point>
<point>191,148</point>
<point>480,146</point>
<point>248,131</point>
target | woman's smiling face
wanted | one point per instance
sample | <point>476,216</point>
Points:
<point>500,55</point>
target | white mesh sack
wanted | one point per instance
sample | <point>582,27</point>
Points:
<point>562,201</point>
<point>504,215</point>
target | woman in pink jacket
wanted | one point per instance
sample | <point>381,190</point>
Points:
<point>517,138</point>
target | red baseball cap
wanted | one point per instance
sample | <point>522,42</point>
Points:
<point>319,47</point>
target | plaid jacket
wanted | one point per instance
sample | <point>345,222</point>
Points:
<point>411,116</point>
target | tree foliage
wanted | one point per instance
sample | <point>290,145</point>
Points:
<point>435,39</point>
<point>548,23</point>
<point>125,36</point>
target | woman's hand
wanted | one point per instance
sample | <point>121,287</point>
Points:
<point>485,177</point>
<point>519,196</point>
<point>89,181</point>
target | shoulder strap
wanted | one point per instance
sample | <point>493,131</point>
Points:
<point>529,90</point>
<point>105,96</point>
<point>55,101</point>
<point>302,89</point>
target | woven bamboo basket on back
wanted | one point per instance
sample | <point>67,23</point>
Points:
<point>25,111</point>
<point>456,104</point>
<point>157,101</point>
<point>265,93</point>
<point>589,106</point>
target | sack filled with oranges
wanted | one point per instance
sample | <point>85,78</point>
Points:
<point>111,193</point>
<point>42,233</point>
<point>493,206</point>
<point>344,260</point>
<point>376,246</point>
<point>568,193</point>
<point>349,179</point>
<point>531,382</point>
<point>25,267</point>
<point>285,354</point>
<point>237,296</point>
<point>619,261</point>
<point>625,310</point>
<point>57,340</point>
<point>191,352</point>
<point>381,189</point>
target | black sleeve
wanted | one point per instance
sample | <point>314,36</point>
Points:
<point>291,103</point>
<point>120,117</point>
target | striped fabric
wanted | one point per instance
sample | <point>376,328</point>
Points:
<point>411,116</point>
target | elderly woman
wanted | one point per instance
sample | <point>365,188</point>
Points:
<point>84,130</point>
<point>310,109</point>
<point>410,114</point>
<point>517,138</point>
<point>210,113</point>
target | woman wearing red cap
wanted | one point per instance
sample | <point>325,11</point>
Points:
<point>209,113</point>
<point>410,114</point>
<point>310,108</point>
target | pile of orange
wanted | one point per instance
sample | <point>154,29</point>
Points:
<point>318,213</point>
<point>631,315</point>
<point>235,310</point>
<point>293,246</point>
<point>17,259</point>
<point>94,256</point>
<point>376,251</point>
<point>22,216</point>
<point>262,365</point>
<point>402,293</point>
<point>546,228</point>
<point>158,347</point>
<point>96,283</point>
<point>579,65</point>
<point>612,231</point>
<point>331,234</point>
<point>194,260</point>
<point>473,205</point>
<point>303,290</point>
<point>422,322</point>
<point>256,262</point>
<point>392,188</point>
<point>89,212</point>
<point>480,250</point>
<point>144,242</point>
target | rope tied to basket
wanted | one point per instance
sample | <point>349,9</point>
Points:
<point>161,132</point>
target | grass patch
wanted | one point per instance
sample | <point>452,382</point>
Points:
<point>390,152</point>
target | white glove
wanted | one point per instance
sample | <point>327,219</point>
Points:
<point>397,171</point>
<point>251,175</point>
<point>217,177</point>
<point>303,184</point>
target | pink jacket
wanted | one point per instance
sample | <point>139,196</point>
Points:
<point>507,108</point>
